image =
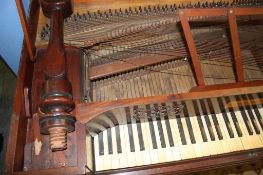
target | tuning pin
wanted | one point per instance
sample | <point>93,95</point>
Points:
<point>140,9</point>
<point>175,7</point>
<point>158,9</point>
<point>163,9</point>
<point>84,16</point>
<point>95,15</point>
<point>149,8</point>
<point>130,11</point>
<point>116,12</point>
<point>227,4</point>
<point>99,13</point>
<point>206,4</point>
<point>136,11</point>
<point>79,16</point>
<point>74,17</point>
<point>145,11</point>
<point>233,3</point>
<point>189,5</point>
<point>88,14</point>
<point>110,13</point>
<point>120,12</point>
<point>126,12</point>
<point>106,15</point>
<point>154,9</point>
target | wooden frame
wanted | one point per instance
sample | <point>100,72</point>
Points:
<point>28,39</point>
<point>85,112</point>
<point>20,130</point>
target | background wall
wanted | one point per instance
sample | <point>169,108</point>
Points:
<point>11,33</point>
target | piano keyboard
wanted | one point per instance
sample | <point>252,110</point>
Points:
<point>205,127</point>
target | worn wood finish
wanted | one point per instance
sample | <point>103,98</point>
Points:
<point>192,49</point>
<point>56,100</point>
<point>129,64</point>
<point>235,45</point>
<point>21,132</point>
<point>88,111</point>
<point>71,160</point>
<point>71,157</point>
<point>30,46</point>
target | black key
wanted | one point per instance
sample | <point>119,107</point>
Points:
<point>139,130</point>
<point>212,112</point>
<point>129,127</point>
<point>109,141</point>
<point>118,138</point>
<point>234,118</point>
<point>199,120</point>
<point>150,122</point>
<point>244,116</point>
<point>167,124</point>
<point>159,124</point>
<point>101,144</point>
<point>188,123</point>
<point>180,126</point>
<point>251,115</point>
<point>225,117</point>
<point>207,120</point>
<point>255,108</point>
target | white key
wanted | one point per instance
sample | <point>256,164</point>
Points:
<point>99,160</point>
<point>210,144</point>
<point>256,138</point>
<point>187,151</point>
<point>167,150</point>
<point>138,154</point>
<point>160,152</point>
<point>115,155</point>
<point>247,140</point>
<point>218,143</point>
<point>258,120</point>
<point>146,139</point>
<point>176,149</point>
<point>153,152</point>
<point>237,141</point>
<point>89,152</point>
<point>123,155</point>
<point>226,142</point>
<point>201,148</point>
<point>106,156</point>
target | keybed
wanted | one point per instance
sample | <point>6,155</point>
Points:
<point>204,127</point>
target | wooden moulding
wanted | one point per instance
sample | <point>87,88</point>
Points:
<point>28,40</point>
<point>130,63</point>
<point>223,11</point>
<point>231,13</point>
<point>235,45</point>
<point>194,165</point>
<point>74,156</point>
<point>85,112</point>
<point>192,49</point>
